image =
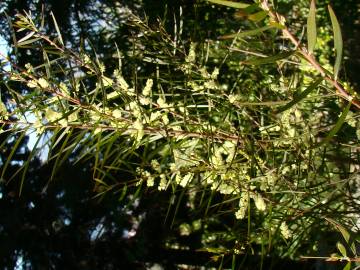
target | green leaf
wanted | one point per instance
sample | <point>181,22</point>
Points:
<point>26,37</point>
<point>338,42</point>
<point>341,249</point>
<point>347,266</point>
<point>337,126</point>
<point>344,233</point>
<point>300,96</point>
<point>15,147</point>
<point>57,29</point>
<point>27,41</point>
<point>258,16</point>
<point>248,33</point>
<point>311,27</point>
<point>268,60</point>
<point>229,3</point>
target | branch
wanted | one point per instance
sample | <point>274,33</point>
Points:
<point>340,90</point>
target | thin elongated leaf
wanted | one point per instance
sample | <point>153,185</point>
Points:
<point>26,165</point>
<point>28,41</point>
<point>301,96</point>
<point>19,140</point>
<point>338,41</point>
<point>229,3</point>
<point>311,27</point>
<point>26,37</point>
<point>341,249</point>
<point>258,16</point>
<point>57,29</point>
<point>268,60</point>
<point>248,33</point>
<point>347,266</point>
<point>337,126</point>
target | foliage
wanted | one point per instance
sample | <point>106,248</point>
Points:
<point>251,130</point>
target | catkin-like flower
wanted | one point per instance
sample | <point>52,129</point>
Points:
<point>243,205</point>
<point>215,73</point>
<point>147,89</point>
<point>259,202</point>
<point>43,83</point>
<point>191,57</point>
<point>186,179</point>
<point>155,165</point>
<point>163,182</point>
<point>284,229</point>
<point>162,103</point>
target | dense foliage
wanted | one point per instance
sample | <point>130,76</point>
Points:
<point>220,128</point>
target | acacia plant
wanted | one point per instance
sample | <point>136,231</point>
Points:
<point>256,128</point>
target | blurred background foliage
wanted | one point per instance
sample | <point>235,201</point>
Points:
<point>103,219</point>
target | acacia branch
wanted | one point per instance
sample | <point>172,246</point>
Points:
<point>340,90</point>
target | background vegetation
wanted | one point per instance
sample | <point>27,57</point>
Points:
<point>185,134</point>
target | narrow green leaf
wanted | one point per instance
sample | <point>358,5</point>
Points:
<point>27,164</point>
<point>311,27</point>
<point>344,233</point>
<point>341,249</point>
<point>19,140</point>
<point>229,3</point>
<point>217,250</point>
<point>338,41</point>
<point>337,126</point>
<point>277,25</point>
<point>258,16</point>
<point>340,228</point>
<point>268,60</point>
<point>57,29</point>
<point>26,37</point>
<point>300,96</point>
<point>347,266</point>
<point>28,41</point>
<point>123,193</point>
<point>248,33</point>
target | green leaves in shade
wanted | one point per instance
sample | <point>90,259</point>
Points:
<point>338,125</point>
<point>345,234</point>
<point>338,42</point>
<point>311,27</point>
<point>299,96</point>
<point>268,60</point>
<point>229,3</point>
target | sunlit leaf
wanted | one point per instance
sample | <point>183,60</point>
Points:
<point>57,29</point>
<point>341,249</point>
<point>26,37</point>
<point>258,16</point>
<point>27,41</point>
<point>229,3</point>
<point>338,41</point>
<point>347,266</point>
<point>311,27</point>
